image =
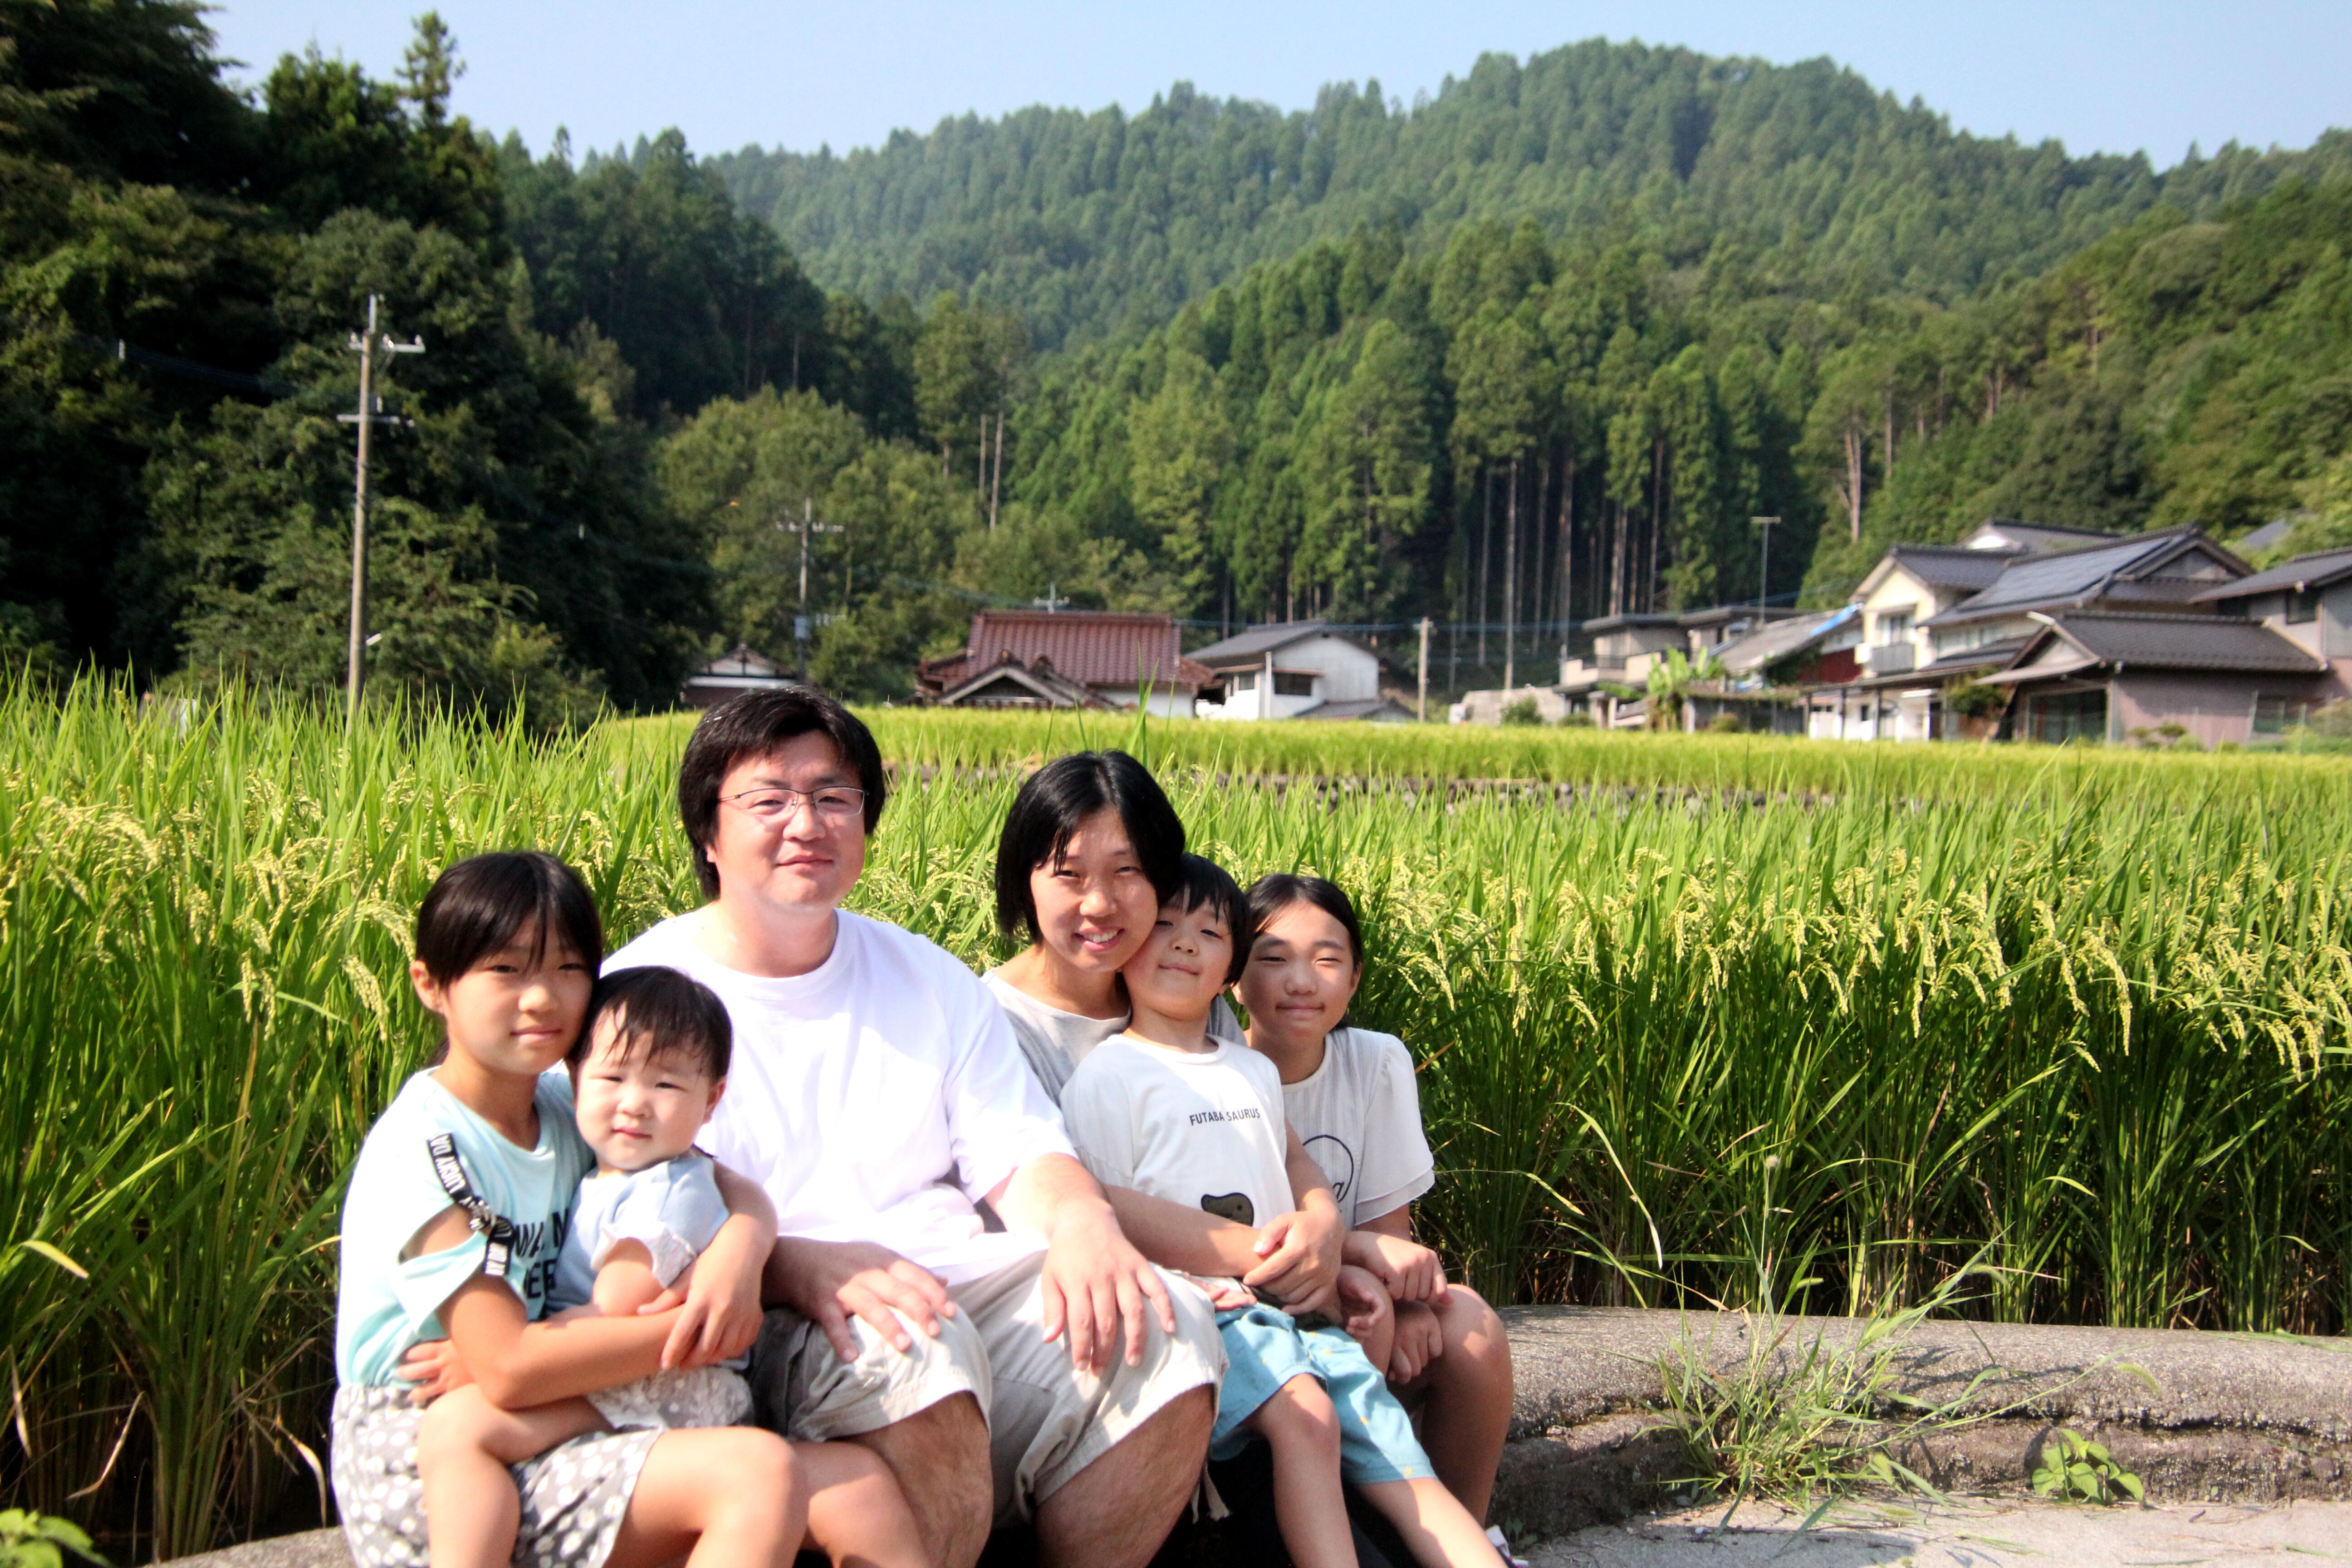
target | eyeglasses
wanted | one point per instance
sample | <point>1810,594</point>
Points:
<point>830,804</point>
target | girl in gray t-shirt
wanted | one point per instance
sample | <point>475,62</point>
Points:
<point>1350,1094</point>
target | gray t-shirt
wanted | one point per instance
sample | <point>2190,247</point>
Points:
<point>1055,1042</point>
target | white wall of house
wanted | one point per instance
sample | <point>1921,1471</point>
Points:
<point>1306,674</point>
<point>1165,703</point>
<point>2319,622</point>
<point>1851,715</point>
<point>1891,613</point>
<point>1950,640</point>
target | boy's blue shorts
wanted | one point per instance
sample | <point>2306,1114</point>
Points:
<point>1265,1348</point>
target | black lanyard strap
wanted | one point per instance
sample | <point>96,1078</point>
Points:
<point>480,1218</point>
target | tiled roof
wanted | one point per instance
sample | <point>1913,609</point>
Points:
<point>2041,535</point>
<point>1990,655</point>
<point>2059,577</point>
<point>1783,638</point>
<point>1250,647</point>
<point>2302,572</point>
<point>1092,648</point>
<point>1009,683</point>
<point>1951,567</point>
<point>2184,642</point>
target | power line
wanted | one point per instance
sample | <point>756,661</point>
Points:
<point>193,370</point>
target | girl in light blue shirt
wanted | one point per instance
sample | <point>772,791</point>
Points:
<point>459,1204</point>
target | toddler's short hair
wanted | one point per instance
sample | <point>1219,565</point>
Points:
<point>1204,881</point>
<point>660,1012</point>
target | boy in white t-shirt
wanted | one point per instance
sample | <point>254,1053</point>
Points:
<point>1165,1110</point>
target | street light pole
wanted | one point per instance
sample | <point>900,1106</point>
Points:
<point>369,414</point>
<point>1764,570</point>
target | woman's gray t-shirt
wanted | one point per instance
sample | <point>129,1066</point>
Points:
<point>1055,1042</point>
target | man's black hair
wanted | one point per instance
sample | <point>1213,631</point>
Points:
<point>1204,881</point>
<point>1060,795</point>
<point>757,724</point>
<point>1277,890</point>
<point>484,905</point>
<point>663,1013</point>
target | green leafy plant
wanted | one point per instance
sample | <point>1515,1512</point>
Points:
<point>1522,713</point>
<point>2075,1470</point>
<point>1973,699</point>
<point>29,1540</point>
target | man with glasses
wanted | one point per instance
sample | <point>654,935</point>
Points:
<point>1042,1371</point>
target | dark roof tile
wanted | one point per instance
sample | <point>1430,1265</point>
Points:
<point>2186,642</point>
<point>2312,571</point>
<point>1093,647</point>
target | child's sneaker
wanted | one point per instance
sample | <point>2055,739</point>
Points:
<point>1503,1547</point>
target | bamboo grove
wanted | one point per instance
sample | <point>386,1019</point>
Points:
<point>2086,1025</point>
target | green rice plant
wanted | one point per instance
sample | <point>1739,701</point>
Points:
<point>1874,1015</point>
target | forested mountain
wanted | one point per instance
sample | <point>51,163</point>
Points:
<point>1518,433</point>
<point>181,270</point>
<point>1088,222</point>
<point>1536,352</point>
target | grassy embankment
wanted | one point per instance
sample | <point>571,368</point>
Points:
<point>2087,1013</point>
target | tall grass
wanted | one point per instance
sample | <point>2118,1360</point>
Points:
<point>2091,1021</point>
<point>1604,761</point>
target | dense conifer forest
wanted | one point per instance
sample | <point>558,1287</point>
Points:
<point>1089,222</point>
<point>1534,351</point>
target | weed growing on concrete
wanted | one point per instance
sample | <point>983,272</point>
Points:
<point>2075,1470</point>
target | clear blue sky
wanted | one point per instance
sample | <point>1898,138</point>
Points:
<point>2153,76</point>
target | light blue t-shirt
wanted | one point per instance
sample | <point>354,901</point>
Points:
<point>386,1303</point>
<point>673,1208</point>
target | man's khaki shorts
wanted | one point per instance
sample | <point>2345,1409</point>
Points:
<point>1047,1420</point>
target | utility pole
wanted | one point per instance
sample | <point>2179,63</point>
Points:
<point>806,526</point>
<point>371,414</point>
<point>1764,570</point>
<point>1053,600</point>
<point>1421,707</point>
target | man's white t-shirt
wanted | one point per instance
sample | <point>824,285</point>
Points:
<point>1203,1129</point>
<point>1360,1115</point>
<point>876,1098</point>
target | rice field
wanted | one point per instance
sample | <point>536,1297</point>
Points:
<point>1816,1025</point>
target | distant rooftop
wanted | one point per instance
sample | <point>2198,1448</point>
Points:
<point>2048,579</point>
<point>1094,648</point>
<point>2303,573</point>
<point>2177,642</point>
<point>1252,645</point>
<point>2016,534</point>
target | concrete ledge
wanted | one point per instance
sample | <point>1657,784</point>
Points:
<point>2228,1417</point>
<point>2236,1418</point>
